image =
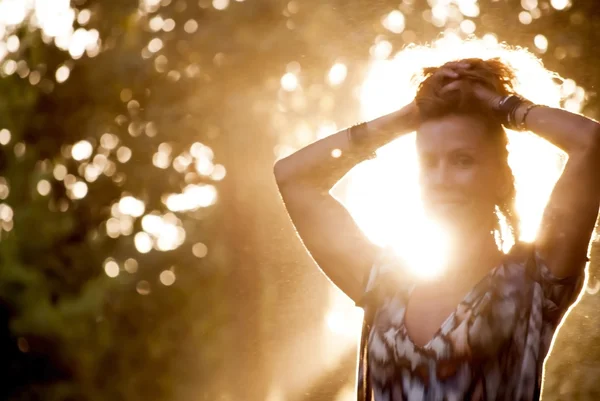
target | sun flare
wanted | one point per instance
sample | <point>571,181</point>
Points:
<point>383,194</point>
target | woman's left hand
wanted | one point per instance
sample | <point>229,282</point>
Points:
<point>484,94</point>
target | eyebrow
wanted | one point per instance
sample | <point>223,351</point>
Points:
<point>455,150</point>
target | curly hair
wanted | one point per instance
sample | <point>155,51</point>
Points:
<point>433,104</point>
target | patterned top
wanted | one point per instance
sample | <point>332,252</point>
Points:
<point>492,347</point>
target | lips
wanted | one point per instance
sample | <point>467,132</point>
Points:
<point>445,201</point>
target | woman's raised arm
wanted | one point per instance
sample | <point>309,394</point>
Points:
<point>327,230</point>
<point>571,212</point>
<point>326,161</point>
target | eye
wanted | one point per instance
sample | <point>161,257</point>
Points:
<point>464,161</point>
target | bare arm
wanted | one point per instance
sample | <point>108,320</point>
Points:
<point>572,209</point>
<point>316,164</point>
<point>327,229</point>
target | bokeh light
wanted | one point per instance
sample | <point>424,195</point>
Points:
<point>167,277</point>
<point>111,268</point>
<point>54,18</point>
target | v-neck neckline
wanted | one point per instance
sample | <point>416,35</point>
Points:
<point>452,314</point>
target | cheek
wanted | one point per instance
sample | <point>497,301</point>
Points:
<point>477,183</point>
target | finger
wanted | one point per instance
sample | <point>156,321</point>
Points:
<point>458,65</point>
<point>450,73</point>
<point>450,87</point>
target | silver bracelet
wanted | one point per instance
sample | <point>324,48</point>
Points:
<point>522,125</point>
<point>357,137</point>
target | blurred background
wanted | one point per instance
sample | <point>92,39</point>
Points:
<point>145,253</point>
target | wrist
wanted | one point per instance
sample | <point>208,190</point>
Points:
<point>494,102</point>
<point>409,117</point>
<point>509,109</point>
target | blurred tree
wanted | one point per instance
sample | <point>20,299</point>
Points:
<point>106,286</point>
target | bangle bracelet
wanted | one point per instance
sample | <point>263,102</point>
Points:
<point>522,124</point>
<point>357,137</point>
<point>506,109</point>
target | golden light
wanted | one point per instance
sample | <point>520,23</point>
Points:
<point>113,227</point>
<point>204,166</point>
<point>529,4</point>
<point>541,42</point>
<point>468,26</point>
<point>169,25</point>
<point>155,45</point>
<point>4,189</point>
<point>143,242</point>
<point>6,212</point>
<point>43,187</point>
<point>59,172</point>
<point>55,19</point>
<point>199,250</point>
<point>149,6</point>
<point>468,8</point>
<point>79,190</point>
<point>161,159</point>
<point>190,26</point>
<point>199,150</point>
<point>92,172</point>
<point>336,153</point>
<point>20,149</point>
<point>84,16</point>
<point>192,197</point>
<point>394,21</point>
<point>383,194</point>
<point>10,66</point>
<point>525,18</point>
<point>165,232</point>
<point>131,206</point>
<point>12,12</point>
<point>143,287</point>
<point>131,265</point>
<point>4,136</point>
<point>152,224</point>
<point>156,23</point>
<point>337,74</point>
<point>13,43</point>
<point>167,277</point>
<point>62,74</point>
<point>81,150</point>
<point>392,214</point>
<point>220,4</point>
<point>381,50</point>
<point>289,82</point>
<point>341,320</point>
<point>109,141</point>
<point>560,4</point>
<point>123,154</point>
<point>111,268</point>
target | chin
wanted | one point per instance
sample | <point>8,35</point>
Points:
<point>450,216</point>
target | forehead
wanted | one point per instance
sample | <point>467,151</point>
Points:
<point>452,132</point>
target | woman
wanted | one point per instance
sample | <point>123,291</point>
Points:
<point>481,330</point>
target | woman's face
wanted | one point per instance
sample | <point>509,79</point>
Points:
<point>460,175</point>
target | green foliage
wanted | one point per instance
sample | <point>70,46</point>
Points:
<point>72,332</point>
